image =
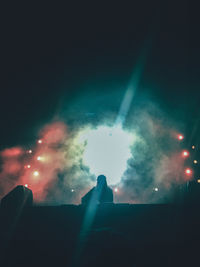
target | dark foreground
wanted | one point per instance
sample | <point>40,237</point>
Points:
<point>113,235</point>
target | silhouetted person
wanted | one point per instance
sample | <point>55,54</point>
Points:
<point>101,193</point>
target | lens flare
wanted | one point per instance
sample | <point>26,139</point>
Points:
<point>106,151</point>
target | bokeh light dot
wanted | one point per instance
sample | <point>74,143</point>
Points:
<point>180,137</point>
<point>188,171</point>
<point>185,153</point>
<point>36,173</point>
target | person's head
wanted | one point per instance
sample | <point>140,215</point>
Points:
<point>101,181</point>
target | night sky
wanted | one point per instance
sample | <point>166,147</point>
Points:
<point>50,55</point>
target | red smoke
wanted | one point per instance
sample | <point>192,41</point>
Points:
<point>11,168</point>
<point>170,170</point>
<point>45,162</point>
<point>12,152</point>
<point>54,133</point>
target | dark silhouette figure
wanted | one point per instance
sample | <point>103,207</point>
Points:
<point>99,194</point>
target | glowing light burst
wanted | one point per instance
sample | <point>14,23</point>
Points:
<point>36,173</point>
<point>185,154</point>
<point>188,171</point>
<point>180,137</point>
<point>106,151</point>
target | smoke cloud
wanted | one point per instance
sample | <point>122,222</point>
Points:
<point>55,170</point>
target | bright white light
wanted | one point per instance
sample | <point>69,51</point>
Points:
<point>36,173</point>
<point>106,151</point>
<point>180,137</point>
<point>116,190</point>
<point>185,153</point>
<point>26,185</point>
<point>40,141</point>
<point>188,171</point>
<point>27,166</point>
<point>156,189</point>
<point>72,190</point>
<point>42,158</point>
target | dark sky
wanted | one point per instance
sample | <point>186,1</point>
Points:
<point>49,53</point>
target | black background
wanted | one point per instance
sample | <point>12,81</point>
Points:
<point>49,51</point>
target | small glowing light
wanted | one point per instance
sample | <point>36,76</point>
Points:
<point>195,161</point>
<point>116,190</point>
<point>156,189</point>
<point>193,147</point>
<point>198,181</point>
<point>185,154</point>
<point>188,171</point>
<point>180,137</point>
<point>39,158</point>
<point>27,166</point>
<point>39,141</point>
<point>26,185</point>
<point>30,151</point>
<point>36,173</point>
<point>72,190</point>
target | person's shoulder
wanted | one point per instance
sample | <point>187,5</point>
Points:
<point>92,189</point>
<point>110,189</point>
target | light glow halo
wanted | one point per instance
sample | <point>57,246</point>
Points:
<point>106,151</point>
